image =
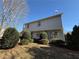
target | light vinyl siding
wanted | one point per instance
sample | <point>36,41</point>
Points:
<point>49,24</point>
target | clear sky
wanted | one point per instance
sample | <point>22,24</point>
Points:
<point>44,8</point>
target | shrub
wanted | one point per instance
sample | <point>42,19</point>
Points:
<point>59,43</point>
<point>43,35</point>
<point>24,41</point>
<point>26,37</point>
<point>26,34</point>
<point>44,38</point>
<point>10,38</point>
<point>45,41</point>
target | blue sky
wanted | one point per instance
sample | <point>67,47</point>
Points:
<point>44,8</point>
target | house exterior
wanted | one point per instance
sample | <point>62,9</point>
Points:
<point>52,25</point>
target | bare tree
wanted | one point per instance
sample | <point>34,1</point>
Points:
<point>12,10</point>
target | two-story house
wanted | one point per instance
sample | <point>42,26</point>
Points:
<point>52,25</point>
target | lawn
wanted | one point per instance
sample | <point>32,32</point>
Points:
<point>37,51</point>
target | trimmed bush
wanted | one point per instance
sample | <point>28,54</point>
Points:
<point>10,38</point>
<point>26,34</point>
<point>45,41</point>
<point>44,35</point>
<point>44,38</point>
<point>26,37</point>
<point>24,41</point>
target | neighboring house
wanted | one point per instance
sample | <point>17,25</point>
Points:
<point>52,25</point>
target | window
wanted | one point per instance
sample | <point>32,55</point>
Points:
<point>54,35</point>
<point>36,36</point>
<point>28,26</point>
<point>39,23</point>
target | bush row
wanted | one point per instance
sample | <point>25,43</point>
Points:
<point>11,37</point>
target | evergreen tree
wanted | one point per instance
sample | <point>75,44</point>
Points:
<point>75,37</point>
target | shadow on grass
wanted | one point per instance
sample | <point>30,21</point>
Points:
<point>40,53</point>
<point>51,53</point>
